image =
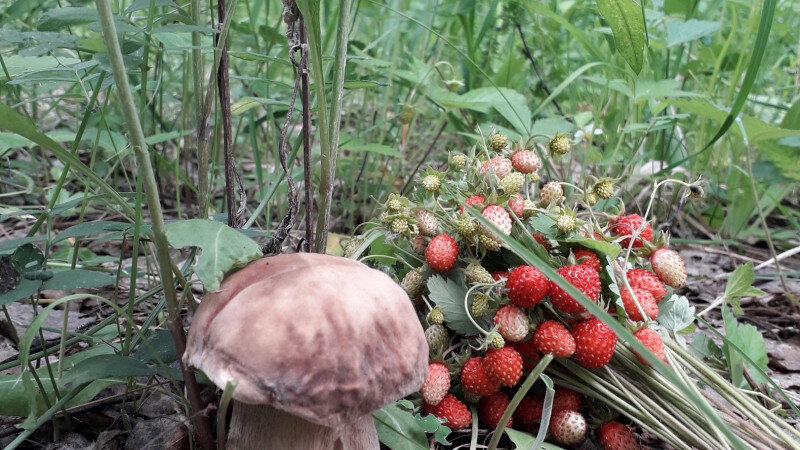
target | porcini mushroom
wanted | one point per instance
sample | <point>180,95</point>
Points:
<point>316,343</point>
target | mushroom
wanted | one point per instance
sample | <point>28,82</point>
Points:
<point>316,343</point>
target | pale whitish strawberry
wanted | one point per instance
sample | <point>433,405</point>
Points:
<point>431,183</point>
<point>526,161</point>
<point>568,427</point>
<point>512,182</point>
<point>500,165</point>
<point>427,222</point>
<point>436,384</point>
<point>551,192</point>
<point>668,266</point>
<point>516,203</point>
<point>498,142</point>
<point>498,216</point>
<point>512,323</point>
<point>437,337</point>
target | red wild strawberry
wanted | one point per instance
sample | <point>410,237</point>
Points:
<point>668,266</point>
<point>552,337</point>
<point>491,409</point>
<point>455,414</point>
<point>585,256</point>
<point>528,412</point>
<point>527,349</point>
<point>526,286</point>
<point>419,244</point>
<point>630,225</point>
<point>436,384</point>
<point>516,203</point>
<point>646,301</point>
<point>568,427</point>
<point>542,240</point>
<point>441,253</point>
<point>474,200</point>
<point>498,275</point>
<point>512,323</point>
<point>475,379</point>
<point>525,161</point>
<point>645,279</point>
<point>500,165</point>
<point>652,340</point>
<point>498,216</point>
<point>504,365</point>
<point>594,343</point>
<point>582,277</point>
<point>566,399</point>
<point>616,436</point>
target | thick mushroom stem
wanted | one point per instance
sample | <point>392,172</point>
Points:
<point>260,426</point>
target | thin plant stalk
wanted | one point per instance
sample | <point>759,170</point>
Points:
<point>159,236</point>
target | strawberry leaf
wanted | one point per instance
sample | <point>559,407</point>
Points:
<point>398,429</point>
<point>748,339</point>
<point>675,313</point>
<point>740,284</point>
<point>448,294</point>
<point>606,248</point>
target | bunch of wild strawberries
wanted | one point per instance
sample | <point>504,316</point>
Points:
<point>524,315</point>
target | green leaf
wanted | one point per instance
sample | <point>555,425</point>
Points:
<point>78,279</point>
<point>398,429</point>
<point>97,228</point>
<point>740,284</point>
<point>57,18</point>
<point>161,346</point>
<point>679,32</point>
<point>140,5</point>
<point>747,338</point>
<point>224,248</point>
<point>675,313</point>
<point>607,248</point>
<point>758,50</point>
<point>373,148</point>
<point>449,295</point>
<point>627,23</point>
<point>106,366</point>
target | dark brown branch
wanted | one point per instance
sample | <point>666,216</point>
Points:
<point>424,158</point>
<point>305,100</point>
<point>538,71</point>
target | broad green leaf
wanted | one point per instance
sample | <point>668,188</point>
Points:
<point>740,284</point>
<point>78,279</point>
<point>58,18</point>
<point>679,32</point>
<point>106,366</point>
<point>224,248</point>
<point>675,313</point>
<point>551,125</point>
<point>627,23</point>
<point>398,429</point>
<point>608,248</point>
<point>94,229</point>
<point>449,295</point>
<point>159,345</point>
<point>140,5</point>
<point>748,339</point>
<point>245,104</point>
<point>373,148</point>
<point>18,65</point>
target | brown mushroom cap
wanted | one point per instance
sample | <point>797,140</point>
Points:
<point>321,337</point>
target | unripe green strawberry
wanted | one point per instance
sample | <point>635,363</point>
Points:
<point>616,436</point>
<point>590,198</point>
<point>565,220</point>
<point>437,336</point>
<point>414,282</point>
<point>528,209</point>
<point>453,85</point>
<point>604,188</point>
<point>492,407</point>
<point>669,267</point>
<point>551,192</point>
<point>594,343</point>
<point>496,340</point>
<point>436,316</point>
<point>406,114</point>
<point>396,203</point>
<point>431,183</point>
<point>488,242</point>
<point>475,273</point>
<point>480,304</point>
<point>476,380</point>
<point>441,253</point>
<point>559,145</point>
<point>526,161</point>
<point>512,182</point>
<point>466,226</point>
<point>504,364</point>
<point>568,427</point>
<point>399,225</point>
<point>436,383</point>
<point>498,142</point>
<point>512,323</point>
<point>427,222</point>
<point>500,165</point>
<point>455,414</point>
<point>352,245</point>
<point>652,340</point>
<point>459,161</point>
<point>385,218</point>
